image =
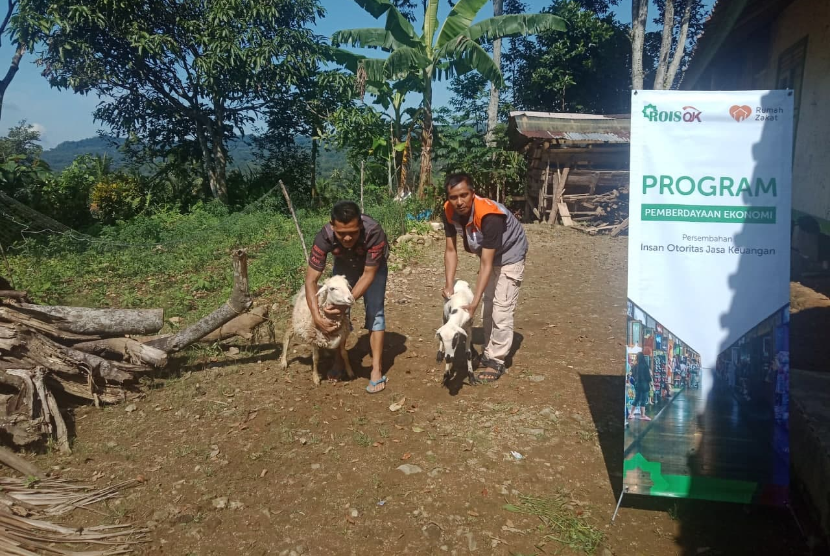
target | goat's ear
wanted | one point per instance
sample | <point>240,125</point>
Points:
<point>462,332</point>
<point>455,340</point>
<point>440,356</point>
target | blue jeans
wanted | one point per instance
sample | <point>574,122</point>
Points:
<point>373,299</point>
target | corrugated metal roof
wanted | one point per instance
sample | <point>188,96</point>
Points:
<point>568,129</point>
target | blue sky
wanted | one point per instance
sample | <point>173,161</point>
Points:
<point>65,116</point>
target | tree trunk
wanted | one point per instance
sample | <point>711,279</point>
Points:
<point>426,141</point>
<point>680,49</point>
<point>98,322</point>
<point>243,326</point>
<point>665,46</point>
<point>207,158</point>
<point>125,349</point>
<point>493,107</point>
<point>239,302</point>
<point>639,17</point>
<point>220,164</point>
<point>12,71</point>
<point>390,161</point>
<point>314,148</point>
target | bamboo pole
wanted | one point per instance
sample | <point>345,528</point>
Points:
<point>362,171</point>
<point>294,217</point>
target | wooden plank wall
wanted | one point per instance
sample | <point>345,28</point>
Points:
<point>543,156</point>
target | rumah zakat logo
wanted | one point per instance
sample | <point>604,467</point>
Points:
<point>689,114</point>
<point>740,113</point>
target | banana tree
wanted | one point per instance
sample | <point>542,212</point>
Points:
<point>441,51</point>
<point>392,98</point>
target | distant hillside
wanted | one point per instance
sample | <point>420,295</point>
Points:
<point>242,152</point>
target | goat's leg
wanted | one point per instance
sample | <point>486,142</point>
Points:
<point>470,374</point>
<point>345,355</point>
<point>468,351</point>
<point>447,372</point>
<point>315,358</point>
<point>286,342</point>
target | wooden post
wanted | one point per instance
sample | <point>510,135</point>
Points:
<point>543,188</point>
<point>559,190</point>
<point>294,217</point>
<point>239,302</point>
<point>362,164</point>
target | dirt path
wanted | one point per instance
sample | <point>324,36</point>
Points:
<point>241,458</point>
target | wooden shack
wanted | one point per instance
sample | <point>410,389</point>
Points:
<point>577,168</point>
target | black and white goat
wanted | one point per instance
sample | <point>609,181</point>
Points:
<point>457,327</point>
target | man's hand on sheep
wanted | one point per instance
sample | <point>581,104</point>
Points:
<point>447,292</point>
<point>471,308</point>
<point>333,312</point>
<point>326,325</point>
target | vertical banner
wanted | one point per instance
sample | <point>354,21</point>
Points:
<point>707,351</point>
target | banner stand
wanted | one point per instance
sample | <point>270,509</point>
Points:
<point>707,322</point>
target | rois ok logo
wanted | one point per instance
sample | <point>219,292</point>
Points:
<point>689,114</point>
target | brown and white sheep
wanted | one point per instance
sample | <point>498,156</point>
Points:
<point>334,292</point>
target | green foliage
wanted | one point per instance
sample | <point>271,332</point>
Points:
<point>177,261</point>
<point>443,50</point>
<point>585,70</point>
<point>173,73</point>
<point>116,197</point>
<point>497,171</point>
<point>21,140</point>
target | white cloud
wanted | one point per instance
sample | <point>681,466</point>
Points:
<point>40,128</point>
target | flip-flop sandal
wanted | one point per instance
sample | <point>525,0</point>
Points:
<point>375,383</point>
<point>489,375</point>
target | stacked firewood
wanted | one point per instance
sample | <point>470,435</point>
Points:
<point>600,213</point>
<point>51,357</point>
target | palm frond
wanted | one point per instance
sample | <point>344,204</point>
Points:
<point>430,21</point>
<point>396,24</point>
<point>406,61</point>
<point>514,25</point>
<point>459,20</point>
<point>463,55</point>
<point>376,8</point>
<point>367,37</point>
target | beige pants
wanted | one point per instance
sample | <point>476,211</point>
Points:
<point>500,300</point>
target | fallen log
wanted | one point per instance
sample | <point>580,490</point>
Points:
<point>98,322</point>
<point>30,350</point>
<point>238,303</point>
<point>19,464</point>
<point>9,314</point>
<point>621,227</point>
<point>242,326</point>
<point>126,349</point>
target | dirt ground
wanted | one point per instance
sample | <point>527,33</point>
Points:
<point>239,457</point>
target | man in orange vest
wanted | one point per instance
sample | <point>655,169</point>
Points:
<point>492,233</point>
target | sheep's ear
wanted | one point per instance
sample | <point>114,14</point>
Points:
<point>455,340</point>
<point>440,356</point>
<point>462,332</point>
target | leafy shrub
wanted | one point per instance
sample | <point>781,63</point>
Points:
<point>116,197</point>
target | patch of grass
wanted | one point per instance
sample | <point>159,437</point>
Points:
<point>177,261</point>
<point>362,439</point>
<point>559,522</point>
<point>383,432</point>
<point>183,450</point>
